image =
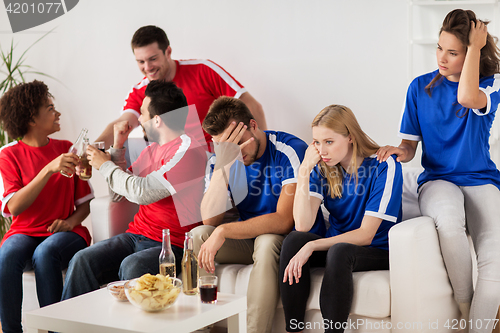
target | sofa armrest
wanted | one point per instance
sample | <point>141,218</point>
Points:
<point>110,218</point>
<point>421,294</point>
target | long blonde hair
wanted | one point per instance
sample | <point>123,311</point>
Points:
<point>341,120</point>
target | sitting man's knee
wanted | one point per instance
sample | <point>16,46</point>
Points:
<point>200,235</point>
<point>202,231</point>
<point>267,246</point>
<point>80,257</point>
<point>131,268</point>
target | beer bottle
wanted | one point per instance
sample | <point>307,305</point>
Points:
<point>167,258</point>
<point>85,167</point>
<point>189,267</point>
<point>77,148</point>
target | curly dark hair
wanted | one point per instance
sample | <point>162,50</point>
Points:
<point>20,105</point>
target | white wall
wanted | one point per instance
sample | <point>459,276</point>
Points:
<point>294,56</point>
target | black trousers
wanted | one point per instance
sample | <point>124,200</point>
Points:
<point>337,287</point>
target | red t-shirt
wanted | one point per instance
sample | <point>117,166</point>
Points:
<point>202,82</point>
<point>19,164</point>
<point>180,166</point>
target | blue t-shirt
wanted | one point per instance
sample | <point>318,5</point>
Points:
<point>453,149</point>
<point>255,189</point>
<point>377,193</point>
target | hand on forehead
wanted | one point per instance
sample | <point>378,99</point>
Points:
<point>232,133</point>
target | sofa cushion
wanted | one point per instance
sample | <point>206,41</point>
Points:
<point>372,295</point>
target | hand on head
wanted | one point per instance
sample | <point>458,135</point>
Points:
<point>312,157</point>
<point>227,146</point>
<point>478,34</point>
<point>233,134</point>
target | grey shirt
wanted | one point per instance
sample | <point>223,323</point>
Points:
<point>140,190</point>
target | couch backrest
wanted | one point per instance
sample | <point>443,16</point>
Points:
<point>410,195</point>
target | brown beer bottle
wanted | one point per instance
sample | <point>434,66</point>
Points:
<point>86,168</point>
<point>190,273</point>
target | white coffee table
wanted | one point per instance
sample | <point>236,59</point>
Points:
<point>98,312</point>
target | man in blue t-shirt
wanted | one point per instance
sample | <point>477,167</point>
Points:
<point>254,171</point>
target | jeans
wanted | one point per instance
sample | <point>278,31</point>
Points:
<point>122,257</point>
<point>476,209</point>
<point>337,287</point>
<point>48,256</point>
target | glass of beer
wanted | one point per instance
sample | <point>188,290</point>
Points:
<point>208,289</point>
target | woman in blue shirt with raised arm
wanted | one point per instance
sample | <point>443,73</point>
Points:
<point>363,198</point>
<point>451,111</point>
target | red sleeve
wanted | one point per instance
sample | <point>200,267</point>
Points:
<point>135,97</point>
<point>221,82</point>
<point>10,180</point>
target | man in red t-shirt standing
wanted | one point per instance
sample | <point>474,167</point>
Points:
<point>167,182</point>
<point>202,82</point>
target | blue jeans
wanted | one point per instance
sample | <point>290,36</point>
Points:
<point>122,257</point>
<point>48,256</point>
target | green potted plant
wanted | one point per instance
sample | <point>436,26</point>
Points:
<point>13,73</point>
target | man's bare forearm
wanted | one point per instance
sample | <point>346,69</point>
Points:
<point>216,200</point>
<point>274,223</point>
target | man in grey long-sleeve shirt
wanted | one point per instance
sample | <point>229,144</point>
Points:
<point>167,184</point>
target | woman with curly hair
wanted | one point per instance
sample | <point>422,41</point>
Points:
<point>451,111</point>
<point>47,208</point>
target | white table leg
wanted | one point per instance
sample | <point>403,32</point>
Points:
<point>237,323</point>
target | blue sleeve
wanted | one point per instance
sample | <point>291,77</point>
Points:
<point>490,86</point>
<point>386,193</point>
<point>317,184</point>
<point>238,186</point>
<point>209,170</point>
<point>410,127</point>
<point>293,150</point>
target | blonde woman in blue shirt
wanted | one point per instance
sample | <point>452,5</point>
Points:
<point>363,198</point>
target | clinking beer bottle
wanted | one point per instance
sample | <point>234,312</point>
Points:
<point>167,258</point>
<point>85,167</point>
<point>77,148</point>
<point>189,267</point>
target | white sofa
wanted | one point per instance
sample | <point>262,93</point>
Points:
<point>413,296</point>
